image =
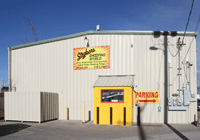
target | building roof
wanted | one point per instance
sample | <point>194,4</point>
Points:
<point>115,81</point>
<point>104,33</point>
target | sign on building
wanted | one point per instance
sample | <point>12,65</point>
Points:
<point>91,58</point>
<point>147,97</point>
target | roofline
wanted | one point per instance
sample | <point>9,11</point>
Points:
<point>114,75</point>
<point>91,32</point>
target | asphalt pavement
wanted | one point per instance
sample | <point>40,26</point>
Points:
<point>75,130</point>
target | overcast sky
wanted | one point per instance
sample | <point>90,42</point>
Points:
<point>55,18</point>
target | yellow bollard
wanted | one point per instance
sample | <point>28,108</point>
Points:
<point>67,118</point>
<point>83,121</point>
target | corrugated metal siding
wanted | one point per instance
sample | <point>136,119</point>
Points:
<point>114,81</point>
<point>183,116</point>
<point>49,106</point>
<point>31,106</point>
<point>22,106</point>
<point>49,67</point>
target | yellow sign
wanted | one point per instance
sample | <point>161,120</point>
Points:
<point>147,97</point>
<point>91,58</point>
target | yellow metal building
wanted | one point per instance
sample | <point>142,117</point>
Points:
<point>113,100</point>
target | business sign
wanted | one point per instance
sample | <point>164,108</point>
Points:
<point>91,58</point>
<point>147,97</point>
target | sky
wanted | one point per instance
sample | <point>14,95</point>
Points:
<point>56,18</point>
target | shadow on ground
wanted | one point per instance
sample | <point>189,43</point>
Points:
<point>177,132</point>
<point>141,133</point>
<point>11,128</point>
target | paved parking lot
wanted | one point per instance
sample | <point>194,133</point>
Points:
<point>72,130</point>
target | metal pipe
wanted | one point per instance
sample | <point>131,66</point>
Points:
<point>189,78</point>
<point>186,76</point>
<point>9,69</point>
<point>169,79</point>
<point>179,71</point>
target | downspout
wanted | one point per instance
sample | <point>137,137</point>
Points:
<point>189,78</point>
<point>9,69</point>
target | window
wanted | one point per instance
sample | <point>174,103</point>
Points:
<point>112,95</point>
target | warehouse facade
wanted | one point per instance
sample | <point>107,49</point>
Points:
<point>49,66</point>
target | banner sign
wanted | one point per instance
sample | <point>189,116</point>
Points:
<point>91,58</point>
<point>147,97</point>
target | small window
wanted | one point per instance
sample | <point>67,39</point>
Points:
<point>112,96</point>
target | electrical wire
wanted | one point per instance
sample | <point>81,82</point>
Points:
<point>188,20</point>
<point>184,31</point>
<point>172,54</point>
<point>185,73</point>
<point>196,28</point>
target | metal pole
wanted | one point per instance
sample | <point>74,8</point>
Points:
<point>169,79</point>
<point>9,69</point>
<point>166,78</point>
<point>187,83</point>
<point>189,78</point>
<point>179,71</point>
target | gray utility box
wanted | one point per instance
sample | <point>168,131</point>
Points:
<point>179,100</point>
<point>169,101</point>
<point>186,96</point>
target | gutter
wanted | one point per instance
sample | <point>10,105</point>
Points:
<point>91,32</point>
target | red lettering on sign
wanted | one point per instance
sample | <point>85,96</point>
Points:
<point>152,94</point>
<point>136,94</point>
<point>140,94</point>
<point>156,95</point>
<point>147,94</point>
<point>143,94</point>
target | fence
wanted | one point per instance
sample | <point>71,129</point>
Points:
<point>31,106</point>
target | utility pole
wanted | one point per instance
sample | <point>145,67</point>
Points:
<point>165,33</point>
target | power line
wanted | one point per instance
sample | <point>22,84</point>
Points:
<point>172,54</point>
<point>184,31</point>
<point>196,28</point>
<point>188,20</point>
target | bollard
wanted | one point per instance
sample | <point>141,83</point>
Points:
<point>195,117</point>
<point>67,114</point>
<point>89,116</point>
<point>110,115</point>
<point>124,115</point>
<point>83,121</point>
<point>97,115</point>
<point>138,116</point>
